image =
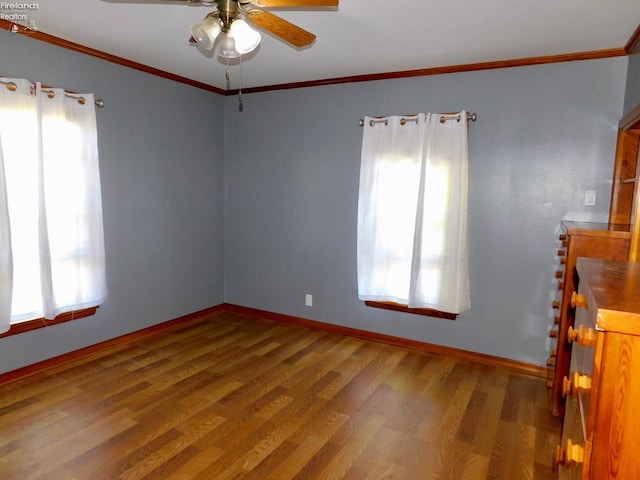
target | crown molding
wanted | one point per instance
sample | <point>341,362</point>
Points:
<point>76,47</point>
<point>520,62</point>
<point>470,67</point>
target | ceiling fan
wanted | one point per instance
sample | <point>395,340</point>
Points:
<point>227,30</point>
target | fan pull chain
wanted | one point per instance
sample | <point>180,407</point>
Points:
<point>228,77</point>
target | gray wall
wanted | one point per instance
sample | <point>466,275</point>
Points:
<point>632,95</point>
<point>544,135</point>
<point>162,166</point>
<point>288,224</point>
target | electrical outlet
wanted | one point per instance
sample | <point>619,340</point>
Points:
<point>590,198</point>
<point>308,300</point>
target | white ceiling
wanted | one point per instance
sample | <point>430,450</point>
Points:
<point>360,37</point>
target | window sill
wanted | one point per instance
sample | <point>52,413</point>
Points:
<point>37,323</point>
<point>398,307</point>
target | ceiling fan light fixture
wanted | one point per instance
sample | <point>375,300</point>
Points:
<point>246,38</point>
<point>206,32</point>
<point>226,46</point>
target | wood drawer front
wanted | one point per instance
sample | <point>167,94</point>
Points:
<point>571,432</point>
<point>576,428</point>
<point>583,339</point>
<point>582,365</point>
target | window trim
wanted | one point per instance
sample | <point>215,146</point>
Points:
<point>37,323</point>
<point>399,307</point>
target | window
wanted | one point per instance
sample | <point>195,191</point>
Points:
<point>412,209</point>
<point>51,238</point>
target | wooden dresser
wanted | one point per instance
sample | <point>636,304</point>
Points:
<point>578,239</point>
<point>601,430</point>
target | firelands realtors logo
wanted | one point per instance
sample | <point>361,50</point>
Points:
<point>17,12</point>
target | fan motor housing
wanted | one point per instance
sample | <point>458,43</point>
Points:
<point>228,12</point>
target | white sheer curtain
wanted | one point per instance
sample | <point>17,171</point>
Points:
<point>51,236</point>
<point>412,212</point>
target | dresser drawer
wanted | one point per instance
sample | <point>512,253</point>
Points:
<point>570,452</point>
<point>582,335</point>
<point>574,449</point>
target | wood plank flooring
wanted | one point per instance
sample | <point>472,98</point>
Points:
<point>235,396</point>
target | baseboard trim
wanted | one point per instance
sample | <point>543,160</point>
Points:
<point>522,367</point>
<point>114,342</point>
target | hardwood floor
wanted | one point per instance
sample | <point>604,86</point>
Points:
<point>235,396</point>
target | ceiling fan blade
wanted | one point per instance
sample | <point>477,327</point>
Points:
<point>295,3</point>
<point>287,31</point>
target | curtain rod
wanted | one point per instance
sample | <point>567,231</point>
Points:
<point>13,87</point>
<point>414,118</point>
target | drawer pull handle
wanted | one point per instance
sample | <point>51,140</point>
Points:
<point>570,456</point>
<point>555,305</point>
<point>559,274</point>
<point>578,300</point>
<point>586,337</point>
<point>572,334</point>
<point>581,383</point>
<point>577,384</point>
<point>553,333</point>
